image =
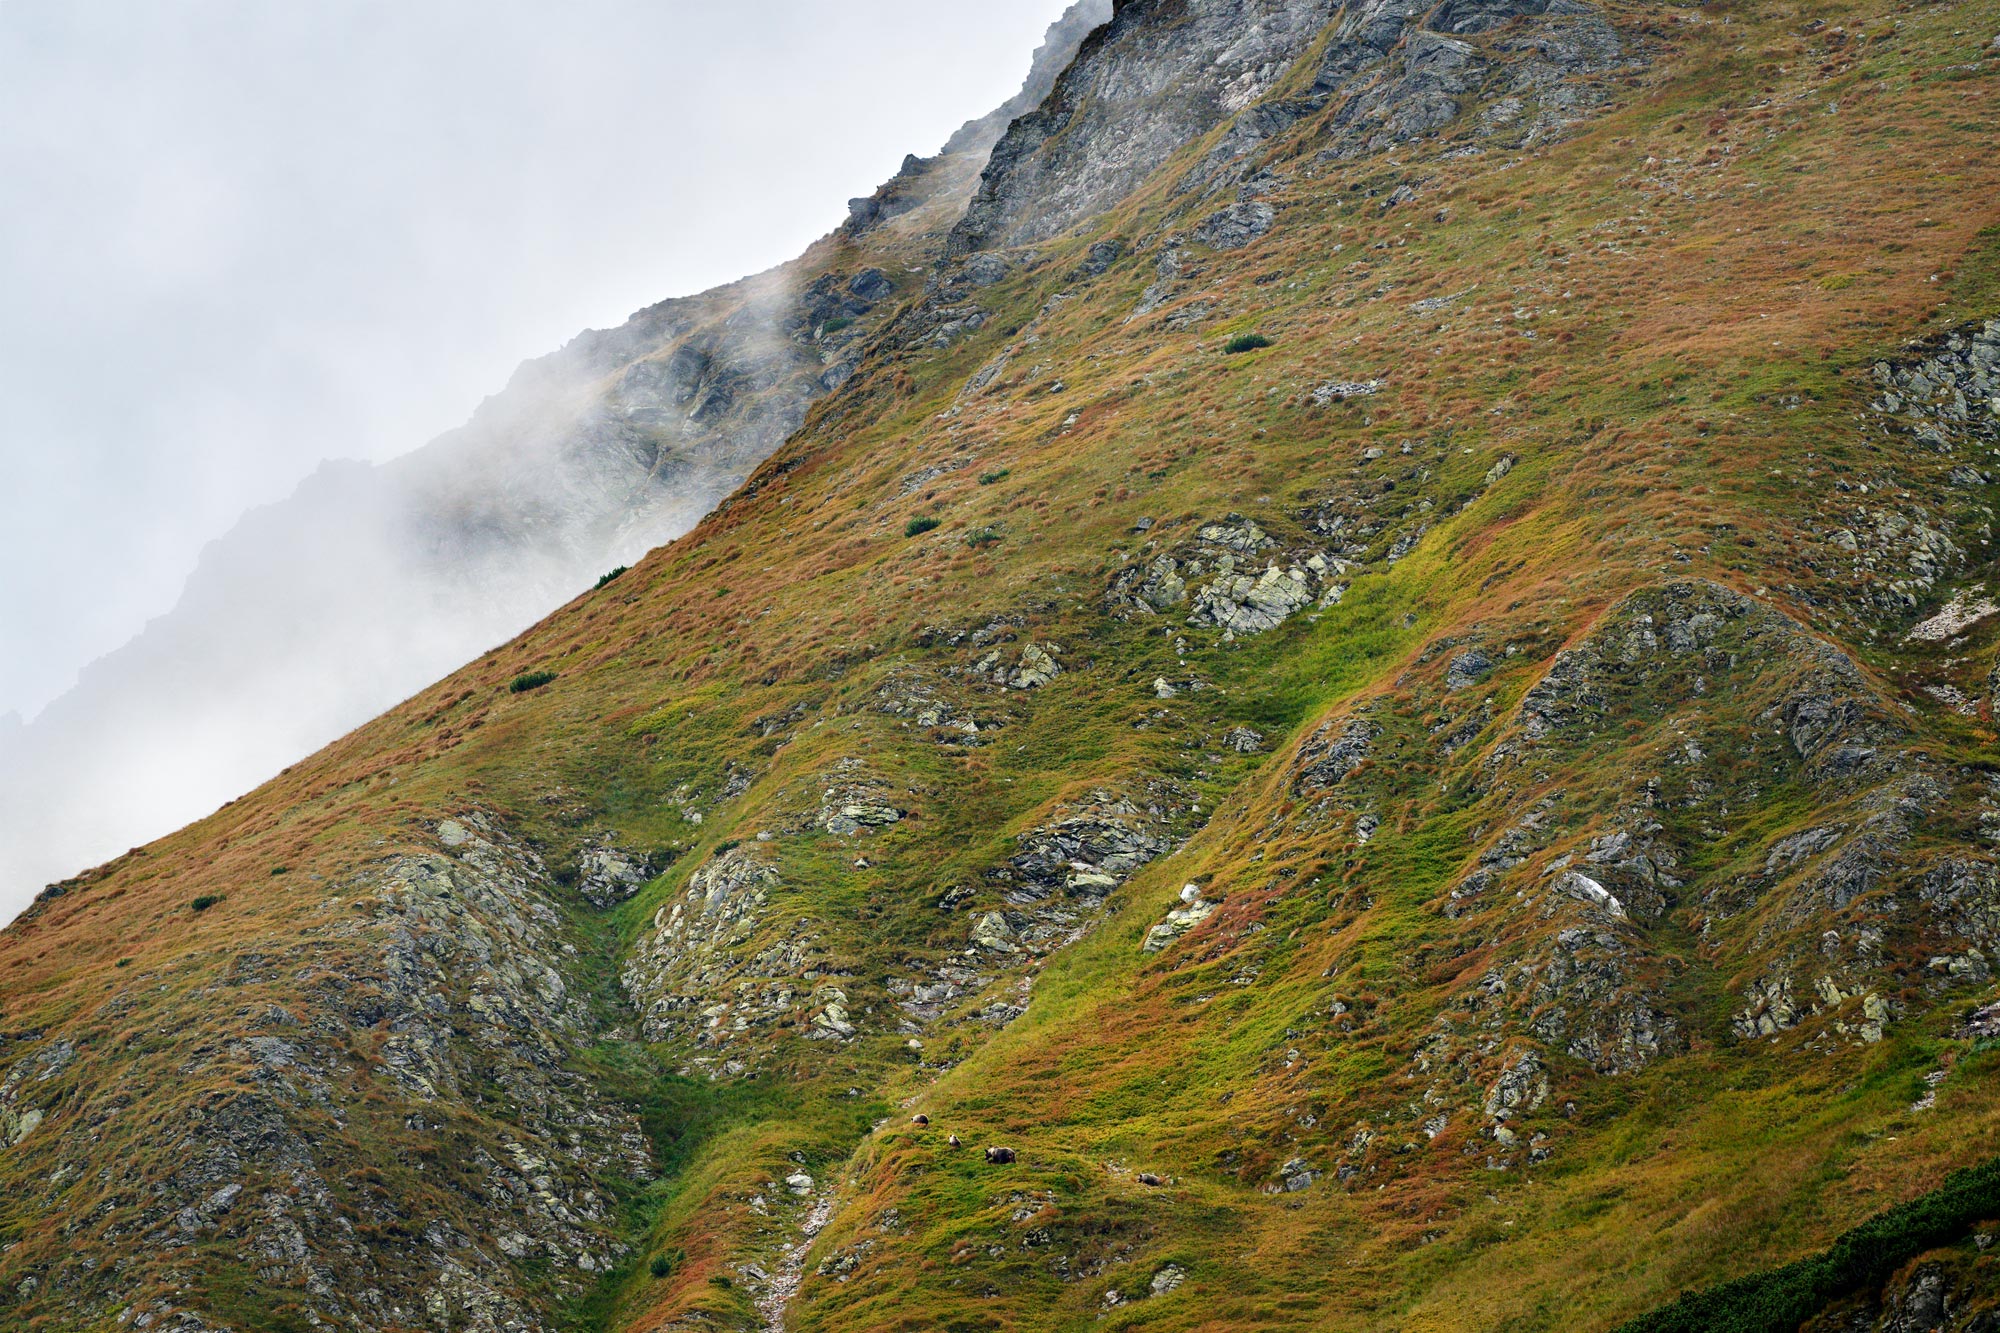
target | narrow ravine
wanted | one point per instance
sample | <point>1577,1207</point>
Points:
<point>776,1298</point>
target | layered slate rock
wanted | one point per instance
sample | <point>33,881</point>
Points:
<point>1158,76</point>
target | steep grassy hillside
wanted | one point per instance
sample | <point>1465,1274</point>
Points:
<point>371,581</point>
<point>1387,724</point>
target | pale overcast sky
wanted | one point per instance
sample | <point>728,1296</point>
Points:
<point>238,237</point>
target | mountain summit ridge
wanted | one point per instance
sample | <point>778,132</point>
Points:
<point>370,581</point>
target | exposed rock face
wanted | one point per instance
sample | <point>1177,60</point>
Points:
<point>1234,576</point>
<point>678,975</point>
<point>1950,390</point>
<point>1946,1291</point>
<point>915,184</point>
<point>1468,669</point>
<point>1521,1089</point>
<point>1084,856</point>
<point>1828,711</point>
<point>1161,74</point>
<point>1335,753</point>
<point>447,968</point>
<point>1236,226</point>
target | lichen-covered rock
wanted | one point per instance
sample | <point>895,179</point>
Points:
<point>1239,579</point>
<point>1032,667</point>
<point>607,875</point>
<point>1250,603</point>
<point>1330,756</point>
<point>992,931</point>
<point>1672,641</point>
<point>430,973</point>
<point>1948,394</point>
<point>684,974</point>
<point>911,695</point>
<point>1236,226</point>
<point>32,1075</point>
<point>1521,1089</point>
<point>1087,855</point>
<point>1467,669</point>
<point>855,801</point>
<point>1192,911</point>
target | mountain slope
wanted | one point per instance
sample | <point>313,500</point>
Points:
<point>314,614</point>
<point>1476,812</point>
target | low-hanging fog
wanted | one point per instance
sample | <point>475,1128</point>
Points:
<point>240,240</point>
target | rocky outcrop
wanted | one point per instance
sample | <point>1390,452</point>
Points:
<point>1192,911</point>
<point>607,874</point>
<point>1671,641</point>
<point>917,182</point>
<point>1233,576</point>
<point>1955,1290</point>
<point>1085,856</point>
<point>679,973</point>
<point>431,1015</point>
<point>1947,392</point>
<point>1162,74</point>
<point>1335,752</point>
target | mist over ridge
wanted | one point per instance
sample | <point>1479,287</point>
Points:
<point>311,614</point>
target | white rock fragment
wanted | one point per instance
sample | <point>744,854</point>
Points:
<point>1585,889</point>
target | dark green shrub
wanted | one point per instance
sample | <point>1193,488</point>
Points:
<point>531,680</point>
<point>988,478</point>
<point>917,527</point>
<point>1246,342</point>
<point>280,870</point>
<point>662,1266</point>
<point>205,901</point>
<point>1781,1299</point>
<point>613,575</point>
<point>124,962</point>
<point>983,537</point>
<point>835,325</point>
